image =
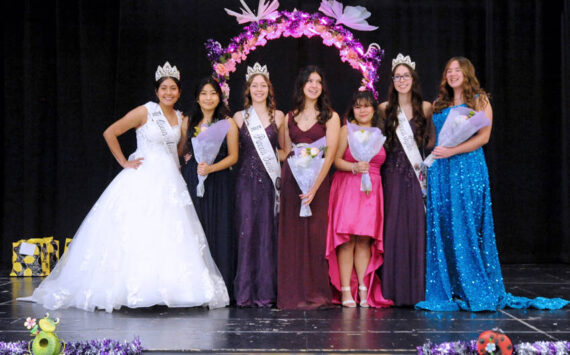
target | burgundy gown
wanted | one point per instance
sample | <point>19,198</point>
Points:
<point>255,282</point>
<point>302,269</point>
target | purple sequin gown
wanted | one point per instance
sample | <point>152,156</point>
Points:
<point>255,282</point>
<point>404,228</point>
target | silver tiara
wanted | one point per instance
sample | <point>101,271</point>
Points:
<point>400,59</point>
<point>166,70</point>
<point>257,69</point>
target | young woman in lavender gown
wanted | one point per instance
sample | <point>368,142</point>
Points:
<point>405,114</point>
<point>302,270</point>
<point>257,181</point>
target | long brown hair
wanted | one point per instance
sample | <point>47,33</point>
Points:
<point>474,96</point>
<point>391,120</point>
<point>323,102</point>
<point>269,102</point>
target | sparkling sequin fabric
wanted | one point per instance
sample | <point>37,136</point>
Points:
<point>462,263</point>
<point>142,243</point>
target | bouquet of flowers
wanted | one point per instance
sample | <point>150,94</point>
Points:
<point>364,143</point>
<point>306,164</point>
<point>206,144</point>
<point>460,125</point>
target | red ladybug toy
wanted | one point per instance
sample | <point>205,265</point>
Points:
<point>494,342</point>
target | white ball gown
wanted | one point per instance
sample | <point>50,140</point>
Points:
<point>142,243</point>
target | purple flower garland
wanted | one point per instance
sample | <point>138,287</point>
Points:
<point>295,24</point>
<point>470,347</point>
<point>89,347</point>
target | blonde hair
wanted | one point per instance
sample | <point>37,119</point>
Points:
<point>269,102</point>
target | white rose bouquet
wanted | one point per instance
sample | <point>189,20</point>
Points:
<point>206,145</point>
<point>306,164</point>
<point>460,125</point>
<point>365,143</point>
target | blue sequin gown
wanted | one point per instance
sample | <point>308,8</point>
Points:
<point>462,262</point>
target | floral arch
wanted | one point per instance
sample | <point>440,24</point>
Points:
<point>271,24</point>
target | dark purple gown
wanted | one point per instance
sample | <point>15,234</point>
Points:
<point>255,282</point>
<point>302,269</point>
<point>403,271</point>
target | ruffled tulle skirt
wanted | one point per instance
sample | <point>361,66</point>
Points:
<point>140,245</point>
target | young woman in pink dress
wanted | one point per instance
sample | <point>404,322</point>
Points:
<point>354,235</point>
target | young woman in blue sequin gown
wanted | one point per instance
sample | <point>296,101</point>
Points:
<point>462,262</point>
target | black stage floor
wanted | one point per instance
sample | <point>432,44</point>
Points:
<point>249,330</point>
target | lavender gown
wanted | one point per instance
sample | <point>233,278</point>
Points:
<point>255,282</point>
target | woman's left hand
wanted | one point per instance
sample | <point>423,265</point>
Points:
<point>204,169</point>
<point>309,196</point>
<point>443,152</point>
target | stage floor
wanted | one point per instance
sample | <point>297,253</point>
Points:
<point>249,330</point>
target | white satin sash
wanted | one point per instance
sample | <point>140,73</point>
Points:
<point>406,137</point>
<point>264,150</point>
<point>161,121</point>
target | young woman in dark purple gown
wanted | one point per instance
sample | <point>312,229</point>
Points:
<point>255,212</point>
<point>403,271</point>
<point>302,270</point>
<point>215,208</point>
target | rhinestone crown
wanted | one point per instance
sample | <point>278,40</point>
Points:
<point>257,69</point>
<point>400,59</point>
<point>166,70</point>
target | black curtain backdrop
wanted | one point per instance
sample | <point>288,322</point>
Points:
<point>71,68</point>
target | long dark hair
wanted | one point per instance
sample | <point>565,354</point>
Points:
<point>363,96</point>
<point>269,102</point>
<point>391,120</point>
<point>323,102</point>
<point>471,88</point>
<point>195,115</point>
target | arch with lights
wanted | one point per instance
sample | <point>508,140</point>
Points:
<point>270,24</point>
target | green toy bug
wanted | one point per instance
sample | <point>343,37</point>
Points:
<point>46,341</point>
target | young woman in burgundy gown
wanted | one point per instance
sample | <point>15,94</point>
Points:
<point>302,270</point>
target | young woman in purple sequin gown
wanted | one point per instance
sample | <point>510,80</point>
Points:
<point>302,270</point>
<point>403,271</point>
<point>255,215</point>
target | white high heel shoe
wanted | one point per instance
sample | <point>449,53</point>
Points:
<point>349,303</point>
<point>363,300</point>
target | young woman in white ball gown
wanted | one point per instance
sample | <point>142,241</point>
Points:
<point>142,243</point>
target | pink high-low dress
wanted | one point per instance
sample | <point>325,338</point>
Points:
<point>353,212</point>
